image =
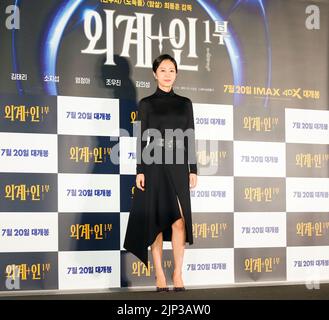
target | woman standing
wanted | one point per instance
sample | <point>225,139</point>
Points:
<point>161,208</point>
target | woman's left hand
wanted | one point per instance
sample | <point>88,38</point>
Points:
<point>193,179</point>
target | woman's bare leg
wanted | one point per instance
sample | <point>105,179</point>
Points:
<point>178,245</point>
<point>156,249</point>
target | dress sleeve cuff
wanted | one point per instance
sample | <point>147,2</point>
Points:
<point>193,168</point>
<point>139,169</point>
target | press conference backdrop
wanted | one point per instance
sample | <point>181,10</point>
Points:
<point>72,73</point>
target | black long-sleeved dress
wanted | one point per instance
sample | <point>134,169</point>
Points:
<point>156,209</point>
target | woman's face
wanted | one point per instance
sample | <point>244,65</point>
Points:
<point>165,74</point>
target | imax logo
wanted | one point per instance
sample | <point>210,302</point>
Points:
<point>13,19</point>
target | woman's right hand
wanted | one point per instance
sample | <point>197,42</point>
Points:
<point>140,181</point>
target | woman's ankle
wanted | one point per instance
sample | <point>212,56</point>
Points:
<point>177,278</point>
<point>160,280</point>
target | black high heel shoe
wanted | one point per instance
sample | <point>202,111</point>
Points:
<point>177,289</point>
<point>162,289</point>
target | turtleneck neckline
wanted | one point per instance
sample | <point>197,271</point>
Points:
<point>164,93</point>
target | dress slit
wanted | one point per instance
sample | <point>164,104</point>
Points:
<point>182,216</point>
<point>178,202</point>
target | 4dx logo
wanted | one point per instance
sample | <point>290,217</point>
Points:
<point>13,19</point>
